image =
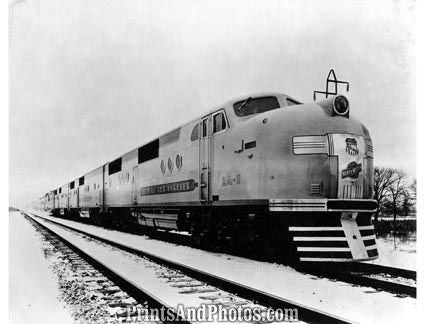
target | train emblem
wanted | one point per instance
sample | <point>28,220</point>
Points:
<point>351,147</point>
<point>352,171</point>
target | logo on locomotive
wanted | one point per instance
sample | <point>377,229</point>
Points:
<point>352,171</point>
<point>351,146</point>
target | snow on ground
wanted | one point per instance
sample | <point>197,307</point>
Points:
<point>396,252</point>
<point>360,304</point>
<point>33,292</point>
<point>148,276</point>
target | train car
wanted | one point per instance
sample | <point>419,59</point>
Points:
<point>73,195</point>
<point>262,170</point>
<point>63,199</point>
<point>42,203</point>
<point>56,206</point>
<point>90,192</point>
<point>118,185</point>
<point>50,201</point>
<point>167,171</point>
<point>37,205</point>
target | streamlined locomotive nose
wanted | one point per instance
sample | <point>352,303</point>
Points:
<point>325,160</point>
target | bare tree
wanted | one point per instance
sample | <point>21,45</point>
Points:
<point>398,190</point>
<point>383,179</point>
<point>413,195</point>
<point>391,188</point>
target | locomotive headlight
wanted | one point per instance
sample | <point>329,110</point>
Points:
<point>340,106</point>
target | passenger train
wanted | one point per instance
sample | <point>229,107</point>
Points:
<point>260,170</point>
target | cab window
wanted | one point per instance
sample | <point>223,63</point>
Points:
<point>219,122</point>
<point>205,128</point>
<point>251,106</point>
<point>195,133</point>
<point>292,102</point>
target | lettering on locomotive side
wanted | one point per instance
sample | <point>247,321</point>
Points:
<point>229,180</point>
<point>352,171</point>
<point>172,187</point>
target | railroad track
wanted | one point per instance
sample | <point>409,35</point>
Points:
<point>217,285</point>
<point>376,276</point>
<point>127,296</point>
<point>377,268</point>
<point>359,273</point>
<point>394,280</point>
<point>382,278</point>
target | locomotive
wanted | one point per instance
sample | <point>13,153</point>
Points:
<point>260,170</point>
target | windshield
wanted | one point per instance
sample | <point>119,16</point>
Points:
<point>252,106</point>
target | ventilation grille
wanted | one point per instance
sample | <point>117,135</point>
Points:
<point>309,145</point>
<point>352,191</point>
<point>369,150</point>
<point>315,189</point>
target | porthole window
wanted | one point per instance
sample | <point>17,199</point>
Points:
<point>163,166</point>
<point>170,164</point>
<point>179,162</point>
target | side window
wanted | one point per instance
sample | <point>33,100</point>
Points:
<point>219,122</point>
<point>148,151</point>
<point>195,133</point>
<point>114,166</point>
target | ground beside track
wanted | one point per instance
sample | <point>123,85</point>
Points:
<point>32,283</point>
<point>396,252</point>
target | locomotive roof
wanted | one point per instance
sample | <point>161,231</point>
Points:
<point>227,105</point>
<point>231,102</point>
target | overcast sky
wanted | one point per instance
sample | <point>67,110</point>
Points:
<point>90,80</point>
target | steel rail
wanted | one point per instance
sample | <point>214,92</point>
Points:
<point>377,268</point>
<point>363,278</point>
<point>377,283</point>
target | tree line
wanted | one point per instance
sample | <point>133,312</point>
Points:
<point>393,191</point>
